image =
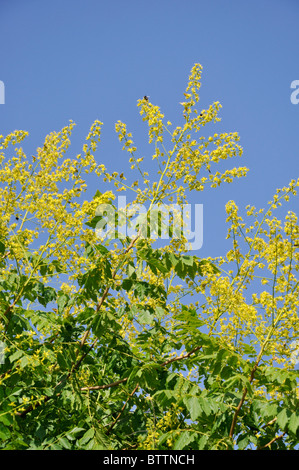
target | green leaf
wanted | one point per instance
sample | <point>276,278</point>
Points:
<point>64,361</point>
<point>203,441</point>
<point>16,355</point>
<point>93,222</point>
<point>97,194</point>
<point>193,406</point>
<point>127,284</point>
<point>165,397</point>
<point>6,417</point>
<point>90,445</point>
<point>25,360</point>
<point>2,248</point>
<point>270,411</point>
<point>156,264</point>
<point>172,258</point>
<point>243,442</point>
<point>143,289</point>
<point>55,446</point>
<point>43,268</point>
<point>102,249</point>
<point>85,315</point>
<point>62,302</point>
<point>104,323</point>
<point>188,260</point>
<point>87,436</point>
<point>65,444</point>
<point>58,267</point>
<point>4,432</point>
<point>131,269</point>
<point>180,269</point>
<point>294,423</point>
<point>204,404</point>
<point>160,312</point>
<point>146,317</point>
<point>185,438</point>
<point>73,434</point>
<point>48,295</point>
<point>146,375</point>
<point>249,350</point>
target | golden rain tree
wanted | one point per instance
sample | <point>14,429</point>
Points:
<point>112,342</point>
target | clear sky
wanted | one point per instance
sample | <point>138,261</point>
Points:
<point>92,59</point>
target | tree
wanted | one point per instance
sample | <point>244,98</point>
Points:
<point>104,346</point>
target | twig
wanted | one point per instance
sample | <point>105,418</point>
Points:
<point>183,356</point>
<point>270,422</point>
<point>102,387</point>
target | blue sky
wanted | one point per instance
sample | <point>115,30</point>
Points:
<point>91,59</point>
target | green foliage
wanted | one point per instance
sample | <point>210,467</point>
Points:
<point>103,346</point>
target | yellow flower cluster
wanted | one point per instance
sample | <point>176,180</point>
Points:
<point>155,428</point>
<point>39,199</point>
<point>43,215</point>
<point>186,163</point>
<point>154,117</point>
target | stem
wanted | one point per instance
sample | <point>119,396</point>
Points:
<point>272,440</point>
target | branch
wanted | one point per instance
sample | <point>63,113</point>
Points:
<point>270,422</point>
<point>102,387</point>
<point>183,356</point>
<point>32,407</point>
<point>272,440</point>
<point>234,421</point>
<point>114,384</point>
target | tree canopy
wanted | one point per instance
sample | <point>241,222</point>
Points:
<point>126,340</point>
